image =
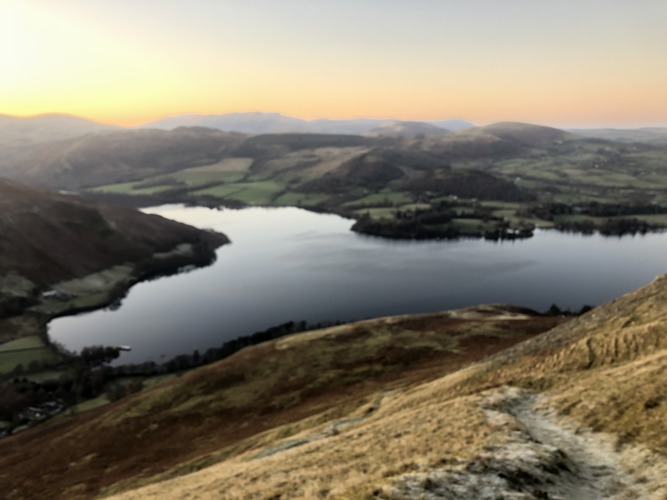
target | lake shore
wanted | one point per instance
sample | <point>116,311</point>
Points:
<point>291,263</point>
<point>104,288</point>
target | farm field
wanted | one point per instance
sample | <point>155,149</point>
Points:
<point>419,188</point>
<point>28,352</point>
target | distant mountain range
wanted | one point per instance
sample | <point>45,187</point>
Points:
<point>114,156</point>
<point>275,123</point>
<point>47,237</point>
<point>124,155</point>
<point>647,135</point>
<point>21,131</point>
<point>16,132</point>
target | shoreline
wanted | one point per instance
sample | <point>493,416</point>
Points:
<point>628,225</point>
<point>103,288</point>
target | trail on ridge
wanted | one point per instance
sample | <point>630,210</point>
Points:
<point>539,457</point>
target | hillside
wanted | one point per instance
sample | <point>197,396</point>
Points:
<point>500,181</point>
<point>495,141</point>
<point>48,237</point>
<point>577,412</point>
<point>260,396</point>
<point>395,408</point>
<point>114,156</point>
<point>535,136</point>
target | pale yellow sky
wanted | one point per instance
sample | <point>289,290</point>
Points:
<point>565,63</point>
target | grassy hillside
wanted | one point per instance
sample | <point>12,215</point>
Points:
<point>48,237</point>
<point>255,400</point>
<point>60,253</point>
<point>577,412</point>
<point>461,182</point>
<point>475,403</point>
<point>114,156</point>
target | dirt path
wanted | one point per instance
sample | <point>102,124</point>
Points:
<point>594,469</point>
<point>536,456</point>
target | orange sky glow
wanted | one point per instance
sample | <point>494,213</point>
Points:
<point>568,63</point>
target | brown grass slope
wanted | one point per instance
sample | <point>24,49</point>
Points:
<point>603,372</point>
<point>607,369</point>
<point>48,237</point>
<point>252,400</point>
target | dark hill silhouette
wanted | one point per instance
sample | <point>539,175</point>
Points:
<point>47,236</point>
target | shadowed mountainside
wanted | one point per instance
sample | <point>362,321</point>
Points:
<point>47,237</point>
<point>115,156</point>
<point>500,181</point>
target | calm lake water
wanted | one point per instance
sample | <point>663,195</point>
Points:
<point>289,264</point>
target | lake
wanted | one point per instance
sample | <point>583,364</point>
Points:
<point>290,264</point>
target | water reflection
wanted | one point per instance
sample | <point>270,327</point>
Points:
<point>290,264</point>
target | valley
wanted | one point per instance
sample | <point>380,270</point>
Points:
<point>483,401</point>
<point>333,250</point>
<point>289,264</point>
<point>500,181</point>
<point>223,411</point>
<point>497,182</point>
<point>62,254</point>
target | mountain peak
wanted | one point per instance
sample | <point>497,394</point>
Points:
<point>258,122</point>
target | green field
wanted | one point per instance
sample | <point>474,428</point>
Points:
<point>232,170</point>
<point>390,212</point>
<point>256,193</point>
<point>377,213</point>
<point>381,198</point>
<point>300,199</point>
<point>132,188</point>
<point>31,342</point>
<point>573,172</point>
<point>28,358</point>
<point>229,170</point>
<point>658,219</point>
<point>468,224</point>
<point>226,165</point>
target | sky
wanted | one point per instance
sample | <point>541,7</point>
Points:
<point>561,63</point>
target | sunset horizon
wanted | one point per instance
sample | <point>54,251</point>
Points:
<point>129,63</point>
<point>149,121</point>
